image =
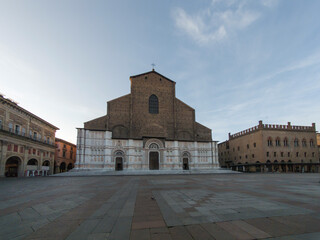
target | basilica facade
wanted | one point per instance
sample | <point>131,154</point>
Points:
<point>148,129</point>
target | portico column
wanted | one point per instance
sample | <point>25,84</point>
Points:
<point>3,158</point>
<point>24,160</point>
<point>41,161</point>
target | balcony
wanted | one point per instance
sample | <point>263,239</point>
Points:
<point>22,136</point>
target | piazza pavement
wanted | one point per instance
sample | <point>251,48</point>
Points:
<point>193,206</point>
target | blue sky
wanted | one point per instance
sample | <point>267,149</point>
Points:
<point>235,62</point>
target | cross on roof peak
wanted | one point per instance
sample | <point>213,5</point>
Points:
<point>153,65</point>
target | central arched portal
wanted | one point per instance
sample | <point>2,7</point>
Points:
<point>119,164</point>
<point>154,160</point>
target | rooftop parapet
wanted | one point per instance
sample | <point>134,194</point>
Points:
<point>262,126</point>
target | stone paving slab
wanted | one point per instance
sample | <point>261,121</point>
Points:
<point>102,172</point>
<point>202,206</point>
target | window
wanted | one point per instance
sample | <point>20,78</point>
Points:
<point>246,156</point>
<point>296,142</point>
<point>9,147</point>
<point>17,130</point>
<point>70,155</point>
<point>305,154</point>
<point>254,144</point>
<point>288,154</point>
<point>35,135</point>
<point>23,132</point>
<point>285,142</point>
<point>247,146</point>
<point>39,137</point>
<point>297,154</point>
<point>313,154</point>
<point>281,154</point>
<point>278,142</point>
<point>252,155</point>
<point>275,154</point>
<point>238,148</point>
<point>0,124</point>
<point>21,149</point>
<point>48,140</point>
<point>64,153</point>
<point>267,154</point>
<point>269,142</point>
<point>15,148</point>
<point>10,127</point>
<point>153,104</point>
<point>304,143</point>
<point>311,143</point>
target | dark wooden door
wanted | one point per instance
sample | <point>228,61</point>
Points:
<point>153,160</point>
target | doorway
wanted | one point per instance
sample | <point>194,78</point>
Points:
<point>119,164</point>
<point>185,165</point>
<point>12,167</point>
<point>154,161</point>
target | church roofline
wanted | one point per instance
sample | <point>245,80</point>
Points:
<point>153,71</point>
<point>185,104</point>
<point>119,97</point>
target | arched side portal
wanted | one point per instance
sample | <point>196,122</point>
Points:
<point>13,167</point>
<point>154,160</point>
<point>119,156</point>
<point>185,161</point>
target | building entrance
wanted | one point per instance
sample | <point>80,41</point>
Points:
<point>185,164</point>
<point>153,160</point>
<point>12,167</point>
<point>119,164</point>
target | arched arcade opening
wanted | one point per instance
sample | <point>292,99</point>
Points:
<point>13,167</point>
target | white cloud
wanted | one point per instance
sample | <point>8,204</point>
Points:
<point>311,60</point>
<point>217,21</point>
<point>196,28</point>
<point>269,3</point>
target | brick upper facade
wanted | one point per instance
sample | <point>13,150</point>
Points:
<point>128,116</point>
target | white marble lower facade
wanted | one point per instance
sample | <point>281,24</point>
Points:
<point>97,150</point>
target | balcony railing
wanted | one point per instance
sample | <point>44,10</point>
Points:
<point>23,135</point>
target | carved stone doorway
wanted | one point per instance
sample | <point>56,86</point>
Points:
<point>185,165</point>
<point>119,164</point>
<point>154,161</point>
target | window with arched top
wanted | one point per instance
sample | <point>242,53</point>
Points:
<point>296,142</point>
<point>311,143</point>
<point>153,104</point>
<point>277,141</point>
<point>269,141</point>
<point>285,142</point>
<point>304,142</point>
